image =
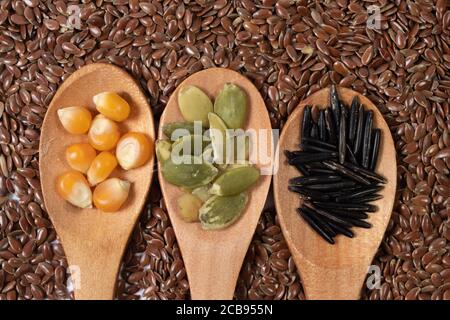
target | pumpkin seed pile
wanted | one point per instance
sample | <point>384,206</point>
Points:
<point>205,156</point>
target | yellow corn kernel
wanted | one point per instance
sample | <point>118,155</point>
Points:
<point>112,106</point>
<point>79,156</point>
<point>73,187</point>
<point>111,194</point>
<point>75,120</point>
<point>103,134</point>
<point>101,167</point>
<point>133,150</point>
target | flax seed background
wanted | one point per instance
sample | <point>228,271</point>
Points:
<point>396,53</point>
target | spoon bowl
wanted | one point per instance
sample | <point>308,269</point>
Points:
<point>213,258</point>
<point>333,271</point>
<point>94,241</point>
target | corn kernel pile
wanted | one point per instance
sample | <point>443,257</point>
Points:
<point>91,169</point>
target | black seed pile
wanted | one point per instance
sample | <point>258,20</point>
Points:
<point>337,159</point>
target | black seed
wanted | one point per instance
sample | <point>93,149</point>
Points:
<point>315,171</point>
<point>325,225</point>
<point>289,154</point>
<point>352,120</point>
<point>346,172</point>
<point>365,157</point>
<point>331,186</point>
<point>359,193</point>
<point>316,165</point>
<point>322,212</point>
<point>351,157</point>
<point>335,106</point>
<point>341,230</point>
<point>293,154</point>
<point>348,191</point>
<point>340,193</point>
<point>311,194</point>
<point>311,147</point>
<point>359,223</point>
<point>375,148</point>
<point>359,131</point>
<point>343,109</point>
<point>311,157</point>
<point>302,169</point>
<point>302,181</point>
<point>366,173</point>
<point>329,122</point>
<point>322,126</point>
<point>346,206</point>
<point>367,199</point>
<point>342,136</point>
<point>315,226</point>
<point>312,141</point>
<point>349,214</point>
<point>306,122</point>
<point>314,133</point>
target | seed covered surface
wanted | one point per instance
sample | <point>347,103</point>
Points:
<point>289,49</point>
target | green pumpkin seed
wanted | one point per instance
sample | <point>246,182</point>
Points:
<point>189,206</point>
<point>163,150</point>
<point>241,147</point>
<point>220,140</point>
<point>184,128</point>
<point>234,181</point>
<point>240,164</point>
<point>231,106</point>
<point>194,104</point>
<point>221,166</point>
<point>208,154</point>
<point>202,193</point>
<point>219,212</point>
<point>190,145</point>
<point>192,174</point>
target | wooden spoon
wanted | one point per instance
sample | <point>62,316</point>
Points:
<point>332,271</point>
<point>214,258</point>
<point>93,241</point>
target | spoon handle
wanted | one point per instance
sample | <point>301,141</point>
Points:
<point>321,283</point>
<point>94,267</point>
<point>213,271</point>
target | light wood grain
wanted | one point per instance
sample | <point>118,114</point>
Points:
<point>214,258</point>
<point>94,241</point>
<point>332,271</point>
